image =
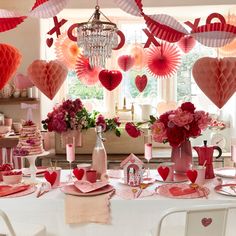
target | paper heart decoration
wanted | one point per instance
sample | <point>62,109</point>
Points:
<point>22,81</point>
<point>50,177</point>
<point>78,173</point>
<point>186,43</point>
<point>139,55</point>
<point>216,78</point>
<point>126,62</point>
<point>206,221</point>
<point>49,42</point>
<point>163,172</point>
<point>48,77</point>
<point>141,82</point>
<point>192,175</point>
<point>110,79</point>
<point>9,62</point>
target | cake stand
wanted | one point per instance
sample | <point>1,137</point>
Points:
<point>32,168</point>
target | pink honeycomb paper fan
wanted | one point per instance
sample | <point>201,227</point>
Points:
<point>163,61</point>
<point>85,73</point>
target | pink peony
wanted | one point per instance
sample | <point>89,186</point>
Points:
<point>203,119</point>
<point>181,118</point>
<point>159,131</point>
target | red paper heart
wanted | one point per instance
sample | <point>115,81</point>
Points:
<point>48,77</point>
<point>78,173</point>
<point>187,43</point>
<point>49,42</point>
<point>110,79</point>
<point>192,175</point>
<point>9,61</point>
<point>141,82</point>
<point>126,62</point>
<point>22,81</point>
<point>50,177</point>
<point>206,221</point>
<point>216,78</point>
<point>163,172</point>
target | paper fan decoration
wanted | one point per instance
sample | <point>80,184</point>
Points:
<point>163,61</point>
<point>186,43</point>
<point>9,62</point>
<point>47,9</point>
<point>138,53</point>
<point>129,6</point>
<point>85,73</point>
<point>9,20</point>
<point>67,51</point>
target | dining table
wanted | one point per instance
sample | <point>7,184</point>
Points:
<point>129,216</point>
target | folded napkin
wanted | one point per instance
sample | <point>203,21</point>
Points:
<point>86,187</point>
<point>177,191</point>
<point>6,190</point>
<point>94,209</point>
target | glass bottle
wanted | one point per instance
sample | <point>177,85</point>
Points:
<point>99,157</point>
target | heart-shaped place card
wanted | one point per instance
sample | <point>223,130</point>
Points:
<point>50,177</point>
<point>78,173</point>
<point>192,175</point>
<point>163,172</point>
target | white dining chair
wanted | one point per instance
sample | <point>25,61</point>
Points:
<point>202,220</point>
<point>20,229</point>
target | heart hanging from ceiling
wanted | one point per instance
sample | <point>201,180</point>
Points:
<point>216,78</point>
<point>163,61</point>
<point>141,82</point>
<point>186,43</point>
<point>9,62</point>
<point>110,79</point>
<point>139,55</point>
<point>22,81</point>
<point>86,74</point>
<point>126,62</point>
<point>48,77</point>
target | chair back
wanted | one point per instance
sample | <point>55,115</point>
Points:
<point>8,223</point>
<point>204,220</point>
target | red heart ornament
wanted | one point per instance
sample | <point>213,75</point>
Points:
<point>186,43</point>
<point>48,77</point>
<point>22,81</point>
<point>206,221</point>
<point>78,173</point>
<point>126,62</point>
<point>50,177</point>
<point>163,172</point>
<point>192,175</point>
<point>141,82</point>
<point>216,78</point>
<point>110,79</point>
<point>9,62</point>
<point>49,42</point>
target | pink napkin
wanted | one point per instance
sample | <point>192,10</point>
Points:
<point>86,187</point>
<point>94,209</point>
<point>177,191</point>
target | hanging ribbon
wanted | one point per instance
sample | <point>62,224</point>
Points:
<point>30,108</point>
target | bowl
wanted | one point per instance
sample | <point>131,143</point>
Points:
<point>12,179</point>
<point>4,129</point>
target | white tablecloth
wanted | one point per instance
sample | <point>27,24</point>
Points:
<point>129,217</point>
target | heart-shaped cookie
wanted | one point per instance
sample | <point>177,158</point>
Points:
<point>110,79</point>
<point>192,175</point>
<point>78,173</point>
<point>50,177</point>
<point>163,172</point>
<point>141,82</point>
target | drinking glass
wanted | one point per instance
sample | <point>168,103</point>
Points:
<point>148,150</point>
<point>70,153</point>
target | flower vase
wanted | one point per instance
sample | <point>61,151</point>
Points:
<point>182,157</point>
<point>72,133</point>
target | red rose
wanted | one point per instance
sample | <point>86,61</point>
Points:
<point>188,106</point>
<point>176,135</point>
<point>164,118</point>
<point>132,130</point>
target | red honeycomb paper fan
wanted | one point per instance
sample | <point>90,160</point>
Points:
<point>67,51</point>
<point>85,73</point>
<point>163,61</point>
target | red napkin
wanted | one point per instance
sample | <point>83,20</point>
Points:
<point>177,191</point>
<point>6,190</point>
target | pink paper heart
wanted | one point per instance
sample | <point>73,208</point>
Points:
<point>78,173</point>
<point>126,62</point>
<point>50,177</point>
<point>22,81</point>
<point>186,43</point>
<point>163,172</point>
<point>141,82</point>
<point>192,175</point>
<point>206,221</point>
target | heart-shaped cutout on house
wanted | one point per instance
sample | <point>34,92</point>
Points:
<point>50,177</point>
<point>78,173</point>
<point>163,172</point>
<point>206,221</point>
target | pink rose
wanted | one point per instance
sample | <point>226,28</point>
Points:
<point>132,130</point>
<point>159,131</point>
<point>181,118</point>
<point>203,119</point>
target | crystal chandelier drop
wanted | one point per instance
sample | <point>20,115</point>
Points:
<point>97,38</point>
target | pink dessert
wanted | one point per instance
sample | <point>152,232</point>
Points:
<point>5,168</point>
<point>12,177</point>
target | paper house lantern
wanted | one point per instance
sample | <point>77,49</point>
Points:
<point>133,170</point>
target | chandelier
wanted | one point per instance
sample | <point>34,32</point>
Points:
<point>97,38</point>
